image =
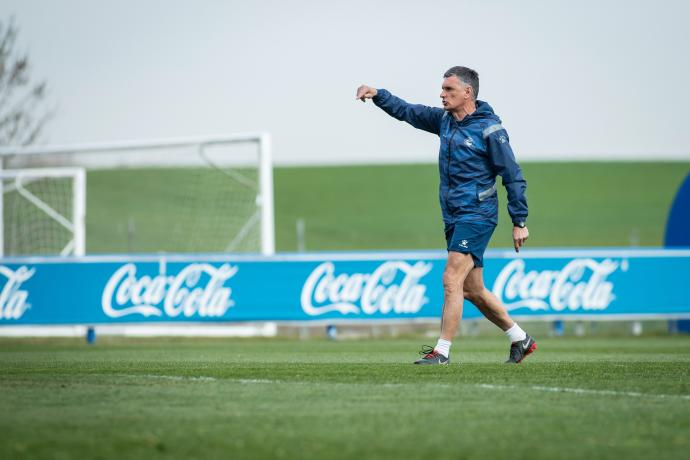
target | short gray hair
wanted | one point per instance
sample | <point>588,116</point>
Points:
<point>467,76</point>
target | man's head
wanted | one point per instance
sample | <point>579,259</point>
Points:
<point>460,88</point>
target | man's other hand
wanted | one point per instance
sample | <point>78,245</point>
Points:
<point>365,92</point>
<point>520,235</point>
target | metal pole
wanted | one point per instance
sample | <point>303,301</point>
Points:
<point>79,210</point>
<point>129,145</point>
<point>266,196</point>
<point>301,246</point>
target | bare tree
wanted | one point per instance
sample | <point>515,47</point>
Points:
<point>22,101</point>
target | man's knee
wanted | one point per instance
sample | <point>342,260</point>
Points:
<point>452,280</point>
<point>457,268</point>
<point>454,275</point>
<point>473,294</point>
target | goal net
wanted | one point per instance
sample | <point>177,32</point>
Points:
<point>212,194</point>
<point>43,211</point>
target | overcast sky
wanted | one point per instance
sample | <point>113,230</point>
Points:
<point>570,79</point>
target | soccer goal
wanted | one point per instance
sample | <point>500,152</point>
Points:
<point>191,195</point>
<point>43,211</point>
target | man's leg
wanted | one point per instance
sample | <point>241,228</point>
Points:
<point>485,300</point>
<point>487,303</point>
<point>458,266</point>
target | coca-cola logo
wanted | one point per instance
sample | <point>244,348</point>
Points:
<point>392,287</point>
<point>197,290</point>
<point>580,285</point>
<point>13,299</point>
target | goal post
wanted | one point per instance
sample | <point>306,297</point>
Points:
<point>37,200</point>
<point>266,197</point>
<point>203,194</point>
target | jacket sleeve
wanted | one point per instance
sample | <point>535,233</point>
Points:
<point>419,116</point>
<point>505,165</point>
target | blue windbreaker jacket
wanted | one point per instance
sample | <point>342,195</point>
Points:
<point>473,152</point>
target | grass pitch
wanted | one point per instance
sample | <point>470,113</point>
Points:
<point>183,398</point>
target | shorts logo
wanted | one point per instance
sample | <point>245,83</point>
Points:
<point>463,244</point>
<point>502,139</point>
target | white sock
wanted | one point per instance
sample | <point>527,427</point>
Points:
<point>443,347</point>
<point>516,334</point>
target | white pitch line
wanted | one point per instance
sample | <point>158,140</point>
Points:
<point>177,378</point>
<point>585,391</point>
<point>183,378</point>
<point>256,381</point>
<point>171,377</point>
<point>487,386</point>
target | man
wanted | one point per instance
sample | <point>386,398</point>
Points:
<point>474,150</point>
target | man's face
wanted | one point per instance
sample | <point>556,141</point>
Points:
<point>454,94</point>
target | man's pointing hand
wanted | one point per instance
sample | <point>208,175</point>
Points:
<point>520,235</point>
<point>365,92</point>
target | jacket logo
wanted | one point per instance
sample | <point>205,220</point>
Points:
<point>469,142</point>
<point>502,139</point>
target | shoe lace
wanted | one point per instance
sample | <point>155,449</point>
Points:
<point>427,351</point>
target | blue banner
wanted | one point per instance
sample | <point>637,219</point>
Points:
<point>538,284</point>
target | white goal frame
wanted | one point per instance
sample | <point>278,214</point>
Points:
<point>77,225</point>
<point>265,165</point>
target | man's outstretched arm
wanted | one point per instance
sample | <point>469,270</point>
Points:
<point>419,116</point>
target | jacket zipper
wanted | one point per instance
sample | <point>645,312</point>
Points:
<point>450,144</point>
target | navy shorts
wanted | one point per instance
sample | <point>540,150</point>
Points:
<point>469,238</point>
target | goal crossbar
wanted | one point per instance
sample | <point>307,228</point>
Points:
<point>115,146</point>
